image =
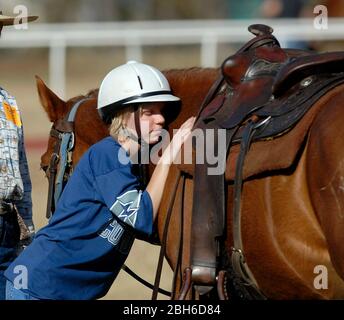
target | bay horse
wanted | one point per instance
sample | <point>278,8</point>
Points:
<point>292,195</point>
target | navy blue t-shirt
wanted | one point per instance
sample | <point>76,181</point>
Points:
<point>82,249</point>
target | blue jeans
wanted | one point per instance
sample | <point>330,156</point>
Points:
<point>15,294</point>
<point>9,239</point>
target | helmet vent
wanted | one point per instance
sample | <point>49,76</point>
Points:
<point>140,82</point>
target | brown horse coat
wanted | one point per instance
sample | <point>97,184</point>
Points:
<point>292,217</point>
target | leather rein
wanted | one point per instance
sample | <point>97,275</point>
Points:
<point>63,131</point>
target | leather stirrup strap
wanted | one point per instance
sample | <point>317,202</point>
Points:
<point>164,237</point>
<point>208,219</point>
<point>178,267</point>
<point>241,270</point>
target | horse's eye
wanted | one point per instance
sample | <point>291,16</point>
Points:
<point>44,167</point>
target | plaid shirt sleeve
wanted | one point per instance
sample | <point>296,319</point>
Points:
<point>15,183</point>
<point>24,205</point>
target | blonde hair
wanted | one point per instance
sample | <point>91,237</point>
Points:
<point>118,125</point>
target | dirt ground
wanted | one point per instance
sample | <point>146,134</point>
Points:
<point>85,70</point>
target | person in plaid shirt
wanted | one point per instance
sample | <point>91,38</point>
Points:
<point>15,183</point>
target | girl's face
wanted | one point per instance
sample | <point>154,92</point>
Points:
<point>151,121</point>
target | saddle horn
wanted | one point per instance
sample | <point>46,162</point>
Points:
<point>260,29</point>
<point>263,37</point>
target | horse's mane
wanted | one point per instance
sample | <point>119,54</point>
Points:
<point>93,93</point>
<point>185,74</point>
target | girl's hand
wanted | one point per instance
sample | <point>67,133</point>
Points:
<point>178,139</point>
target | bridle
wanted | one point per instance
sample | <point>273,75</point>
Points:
<point>63,131</point>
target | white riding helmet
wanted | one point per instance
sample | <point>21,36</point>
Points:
<point>131,83</point>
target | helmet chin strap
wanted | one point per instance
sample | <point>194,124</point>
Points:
<point>137,125</point>
<point>142,167</point>
<point>133,137</point>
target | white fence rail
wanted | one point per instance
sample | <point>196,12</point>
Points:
<point>135,35</point>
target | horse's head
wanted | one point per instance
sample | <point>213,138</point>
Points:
<point>88,128</point>
<point>76,126</point>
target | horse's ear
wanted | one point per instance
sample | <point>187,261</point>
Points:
<point>52,104</point>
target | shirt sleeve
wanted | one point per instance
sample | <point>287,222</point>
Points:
<point>118,189</point>
<point>24,205</point>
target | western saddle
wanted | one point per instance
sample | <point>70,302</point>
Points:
<point>264,91</point>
